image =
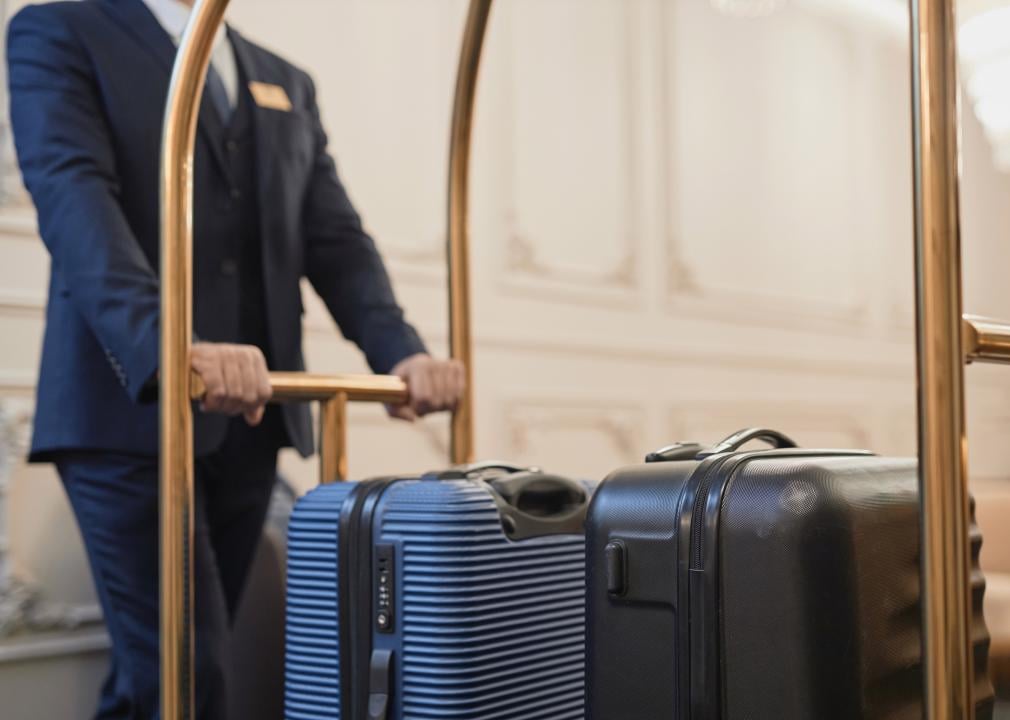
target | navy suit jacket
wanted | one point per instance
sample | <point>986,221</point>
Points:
<point>88,82</point>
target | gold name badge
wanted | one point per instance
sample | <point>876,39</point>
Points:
<point>271,97</point>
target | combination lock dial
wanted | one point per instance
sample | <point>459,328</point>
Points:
<point>385,588</point>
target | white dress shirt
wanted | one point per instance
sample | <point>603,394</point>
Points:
<point>173,16</point>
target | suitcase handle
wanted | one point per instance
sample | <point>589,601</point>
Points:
<point>738,439</point>
<point>486,471</point>
<point>694,451</point>
<point>533,504</point>
<point>480,468</point>
<point>675,452</point>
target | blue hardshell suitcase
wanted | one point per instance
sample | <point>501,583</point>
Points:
<point>458,595</point>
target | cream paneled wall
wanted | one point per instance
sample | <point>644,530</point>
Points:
<point>683,223</point>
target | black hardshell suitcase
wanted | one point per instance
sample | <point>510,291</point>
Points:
<point>779,584</point>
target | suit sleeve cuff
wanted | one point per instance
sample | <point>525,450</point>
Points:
<point>148,392</point>
<point>393,347</point>
<point>141,370</point>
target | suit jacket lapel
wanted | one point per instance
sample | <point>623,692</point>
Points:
<point>264,127</point>
<point>134,16</point>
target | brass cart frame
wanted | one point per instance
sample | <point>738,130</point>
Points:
<point>945,341</point>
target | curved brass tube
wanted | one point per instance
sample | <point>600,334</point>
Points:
<point>333,392</point>
<point>942,440</point>
<point>304,387</point>
<point>177,384</point>
<point>938,271</point>
<point>946,589</point>
<point>986,340</point>
<point>176,430</point>
<point>460,337</point>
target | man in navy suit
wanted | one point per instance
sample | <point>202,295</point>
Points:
<point>88,82</point>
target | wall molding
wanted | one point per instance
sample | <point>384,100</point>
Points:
<point>22,302</point>
<point>17,384</point>
<point>789,417</point>
<point>79,642</point>
<point>523,269</point>
<point>621,424</point>
<point>18,221</point>
<point>686,293</point>
<point>674,357</point>
<point>434,433</point>
<point>24,610</point>
<point>688,297</point>
<point>425,265</point>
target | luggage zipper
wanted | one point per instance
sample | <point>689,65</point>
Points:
<point>355,568</point>
<point>697,517</point>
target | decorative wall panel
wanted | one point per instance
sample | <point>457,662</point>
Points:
<point>816,425</point>
<point>579,438</point>
<point>572,212</point>
<point>767,167</point>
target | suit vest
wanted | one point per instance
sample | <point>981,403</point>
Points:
<point>236,226</point>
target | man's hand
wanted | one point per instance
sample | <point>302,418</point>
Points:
<point>433,386</point>
<point>236,379</point>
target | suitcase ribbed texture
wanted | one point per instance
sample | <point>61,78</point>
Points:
<point>312,662</point>
<point>489,629</point>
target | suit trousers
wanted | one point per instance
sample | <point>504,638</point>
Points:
<point>115,500</point>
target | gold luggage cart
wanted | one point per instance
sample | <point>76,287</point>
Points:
<point>945,342</point>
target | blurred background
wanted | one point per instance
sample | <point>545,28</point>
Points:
<point>689,216</point>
